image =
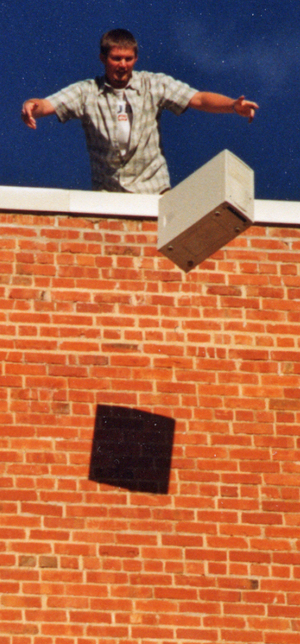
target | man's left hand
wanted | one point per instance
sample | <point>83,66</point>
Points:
<point>245,108</point>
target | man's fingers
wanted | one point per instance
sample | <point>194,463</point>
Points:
<point>28,120</point>
<point>253,108</point>
<point>26,114</point>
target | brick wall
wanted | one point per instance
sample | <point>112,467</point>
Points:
<point>150,437</point>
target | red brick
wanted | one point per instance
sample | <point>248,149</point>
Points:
<point>214,559</point>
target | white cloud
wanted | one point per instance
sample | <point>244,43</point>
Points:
<point>271,59</point>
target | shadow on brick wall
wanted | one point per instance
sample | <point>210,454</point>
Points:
<point>132,449</point>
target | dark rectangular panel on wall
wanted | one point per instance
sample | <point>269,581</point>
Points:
<point>132,449</point>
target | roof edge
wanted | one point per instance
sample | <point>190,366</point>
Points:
<point>276,213</point>
<point>114,204</point>
<point>78,202</point>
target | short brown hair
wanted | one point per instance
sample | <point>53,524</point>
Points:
<point>117,38</point>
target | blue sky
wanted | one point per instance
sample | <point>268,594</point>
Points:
<point>233,47</point>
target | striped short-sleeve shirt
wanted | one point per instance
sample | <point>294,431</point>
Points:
<point>143,168</point>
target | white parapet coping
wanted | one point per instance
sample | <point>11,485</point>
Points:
<point>281,213</point>
<point>85,202</point>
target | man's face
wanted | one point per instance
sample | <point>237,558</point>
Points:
<point>119,64</point>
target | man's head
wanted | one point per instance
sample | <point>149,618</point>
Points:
<point>118,38</point>
<point>118,53</point>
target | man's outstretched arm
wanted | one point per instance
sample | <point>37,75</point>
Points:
<point>219,104</point>
<point>34,108</point>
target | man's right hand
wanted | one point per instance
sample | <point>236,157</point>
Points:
<point>28,109</point>
<point>35,108</point>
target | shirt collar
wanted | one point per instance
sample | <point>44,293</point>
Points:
<point>134,83</point>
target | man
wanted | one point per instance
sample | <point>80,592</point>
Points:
<point>120,114</point>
